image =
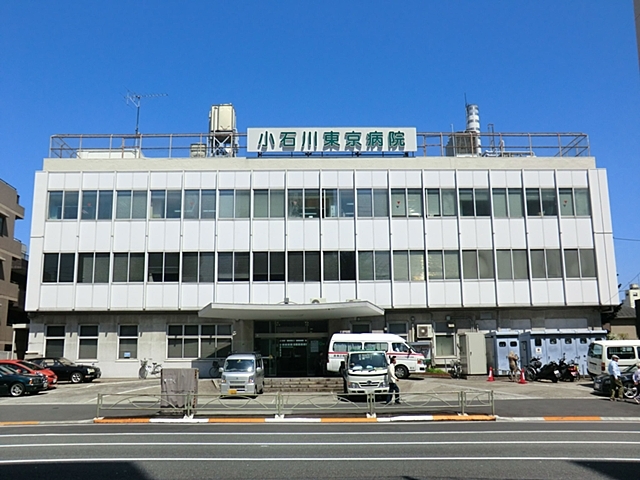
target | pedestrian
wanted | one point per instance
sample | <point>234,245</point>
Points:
<point>394,390</point>
<point>636,382</point>
<point>342,371</point>
<point>614,375</point>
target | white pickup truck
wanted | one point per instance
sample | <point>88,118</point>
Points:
<point>366,372</point>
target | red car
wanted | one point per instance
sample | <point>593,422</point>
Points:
<point>32,368</point>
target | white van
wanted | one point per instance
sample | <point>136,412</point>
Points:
<point>407,360</point>
<point>601,351</point>
<point>367,372</point>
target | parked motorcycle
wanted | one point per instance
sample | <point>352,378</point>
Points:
<point>532,370</point>
<point>568,371</point>
<point>550,371</point>
<point>455,369</point>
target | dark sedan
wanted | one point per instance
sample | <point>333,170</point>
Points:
<point>602,383</point>
<point>16,385</point>
<point>67,370</point>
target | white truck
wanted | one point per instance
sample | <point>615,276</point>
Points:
<point>366,372</point>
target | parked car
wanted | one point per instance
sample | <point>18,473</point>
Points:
<point>16,385</point>
<point>602,383</point>
<point>33,369</point>
<point>67,370</point>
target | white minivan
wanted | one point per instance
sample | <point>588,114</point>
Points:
<point>601,351</point>
<point>407,360</point>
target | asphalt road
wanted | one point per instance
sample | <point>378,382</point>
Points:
<point>373,451</point>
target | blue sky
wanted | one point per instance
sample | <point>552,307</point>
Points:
<point>543,66</point>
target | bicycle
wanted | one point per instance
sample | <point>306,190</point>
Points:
<point>455,369</point>
<point>147,369</point>
<point>214,371</point>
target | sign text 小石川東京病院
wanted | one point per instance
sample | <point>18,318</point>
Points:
<point>328,140</point>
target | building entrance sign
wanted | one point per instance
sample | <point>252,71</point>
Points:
<point>332,140</point>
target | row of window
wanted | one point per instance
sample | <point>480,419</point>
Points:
<point>183,341</point>
<point>315,203</point>
<point>399,265</point>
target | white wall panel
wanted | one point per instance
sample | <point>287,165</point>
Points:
<point>295,179</point>
<point>226,180</point>
<point>397,179</point>
<point>311,179</point>
<point>418,293</point>
<point>34,274</point>
<point>103,236</point>
<point>135,297</point>
<point>399,233</point>
<point>518,235</point>
<point>55,181</point>
<point>207,235</point>
<point>379,179</point>
<point>414,179</point>
<point>189,296</point>
<point>574,292</point>
<point>471,293</point>
<point>363,179</point>
<point>556,292</point>
<point>465,179</point>
<point>107,181</point>
<point>401,294</point>
<point>453,293</point>
<point>72,181</point>
<point>331,291</point>
<point>65,300</point>
<point>502,235</point>
<point>437,294</point>
<point>190,235</point>
<point>276,235</point>
<point>365,237</point>
<point>260,293</point>
<point>84,297</point>
<point>261,180</point>
<point>295,235</point>
<point>226,241</point>
<point>434,234</point>
<point>90,181</point>
<point>535,233</point>
<point>447,178</point>
<point>468,233</point>
<point>241,293</point>
<point>590,292</point>
<point>330,238</point>
<point>100,297</point>
<point>329,179</point>
<point>224,292</point>
<point>416,234</point>
<point>382,294</point>
<point>514,178</point>
<point>69,239</point>
<point>242,237</point>
<point>539,293</point>
<point>39,207</point>
<point>48,296</point>
<point>506,293</point>
<point>52,236</point>
<point>580,179</point>
<point>604,201</point>
<point>260,235</point>
<point>346,234</point>
<point>596,209</point>
<point>243,180</point>
<point>311,235</point>
<point>569,233</point>
<point>381,240</point>
<point>87,237</point>
<point>487,293</point>
<point>138,240</point>
<point>296,293</point>
<point>124,180</point>
<point>531,178</point>
<point>174,180</point>
<point>480,178</point>
<point>430,179</point>
<point>522,294</point>
<point>205,295</point>
<point>547,179</point>
<point>157,233</point>
<point>154,295</point>
<point>367,291</point>
<point>564,178</point>
<point>551,233</point>
<point>141,180</point>
<point>450,237</point>
<point>584,233</point>
<point>170,296</point>
<point>276,293</point>
<point>498,178</point>
<point>121,236</point>
<point>345,179</point>
<point>208,180</point>
<point>484,234</point>
<point>158,180</point>
<point>172,236</point>
<point>192,180</point>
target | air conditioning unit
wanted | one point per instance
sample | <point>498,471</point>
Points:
<point>318,300</point>
<point>424,331</point>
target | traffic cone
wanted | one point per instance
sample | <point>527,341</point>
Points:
<point>522,380</point>
<point>490,378</point>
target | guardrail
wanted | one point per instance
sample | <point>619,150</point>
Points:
<point>281,404</point>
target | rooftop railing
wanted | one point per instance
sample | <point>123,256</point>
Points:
<point>227,144</point>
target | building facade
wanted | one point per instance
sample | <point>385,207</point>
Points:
<point>185,252</point>
<point>12,270</point>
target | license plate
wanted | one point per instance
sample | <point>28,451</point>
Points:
<point>232,391</point>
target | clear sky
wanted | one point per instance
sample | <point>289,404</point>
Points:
<point>543,66</point>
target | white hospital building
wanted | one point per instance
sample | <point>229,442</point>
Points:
<point>184,247</point>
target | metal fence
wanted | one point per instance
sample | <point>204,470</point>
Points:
<point>282,404</point>
<point>215,144</point>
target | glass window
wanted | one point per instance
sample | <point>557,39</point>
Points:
<point>538,264</point>
<point>226,204</point>
<point>331,268</point>
<point>445,345</point>
<point>435,265</point>
<point>261,203</point>
<point>128,341</point>
<point>70,209</point>
<point>296,267</point>
<point>241,267</point>
<point>139,205</point>
<point>414,202</point>
<point>123,204</point>
<point>189,267</point>
<point>330,203</point>
<point>243,204</point>
<point>312,266</point>
<point>208,204</point>
<point>155,267</point>
<point>55,206</point>
<point>294,203</point>
<point>485,264</point>
<point>416,264</point>
<point>88,342</point>
<point>516,209</point>
<point>470,264</point>
<point>128,267</point>
<point>500,204</point>
<point>276,203</point>
<point>554,263</point>
<point>105,205</point>
<point>566,202</point>
<point>549,204</point>
<point>466,202</point>
<point>583,206</point>
<point>89,204</point>
<point>311,203</point>
<point>54,341</point>
<point>347,203</point>
<point>451,265</point>
<point>520,266</point>
<point>260,266</point>
<point>587,263</point>
<point>380,203</point>
<point>449,203</point>
<point>191,204</point>
<point>483,203</point>
<point>365,203</point>
<point>382,261</point>
<point>433,203</point>
<point>85,268</point>
<point>365,266</point>
<point>158,203</point>
<point>533,202</point>
<point>50,268</point>
<point>347,266</point>
<point>503,259</point>
<point>225,266</point>
<point>136,267</point>
<point>401,266</point>
<point>66,269</point>
<point>207,267</point>
<point>571,263</point>
<point>276,266</point>
<point>398,203</point>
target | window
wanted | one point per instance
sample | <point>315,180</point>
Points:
<point>233,266</point>
<point>541,202</point>
<point>507,203</point>
<point>163,267</point>
<point>441,202</point>
<point>304,266</point>
<point>199,204</point>
<point>127,341</point>
<point>97,204</point>
<point>401,329</point>
<point>128,267</point>
<point>235,204</point>
<point>54,341</point>
<point>477,264</point>
<point>4,231</point>
<point>376,346</point>
<point>408,266</point>
<point>443,265</point>
<point>361,328</point>
<point>624,353</point>
<point>583,205</point>
<point>131,204</point>
<point>580,263</point>
<point>474,202</point>
<point>338,203</point>
<point>406,202</point>
<point>198,267</point>
<point>512,265</point>
<point>268,266</point>
<point>373,202</point>
<point>303,203</point>
<point>166,204</point>
<point>268,203</point>
<point>546,264</point>
<point>445,340</point>
<point>215,340</point>
<point>374,265</point>
<point>183,341</point>
<point>88,342</point>
<point>339,266</point>
<point>58,268</point>
<point>93,268</point>
<point>348,346</point>
<point>574,202</point>
<point>63,205</point>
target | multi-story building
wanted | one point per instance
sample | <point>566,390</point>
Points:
<point>12,269</point>
<point>183,247</point>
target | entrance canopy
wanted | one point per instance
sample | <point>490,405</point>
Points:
<point>291,311</point>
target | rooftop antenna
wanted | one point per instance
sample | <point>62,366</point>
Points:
<point>136,99</point>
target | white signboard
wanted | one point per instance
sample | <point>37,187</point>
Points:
<point>327,140</point>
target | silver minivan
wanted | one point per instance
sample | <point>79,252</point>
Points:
<point>242,374</point>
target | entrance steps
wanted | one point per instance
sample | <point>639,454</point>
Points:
<point>303,384</point>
